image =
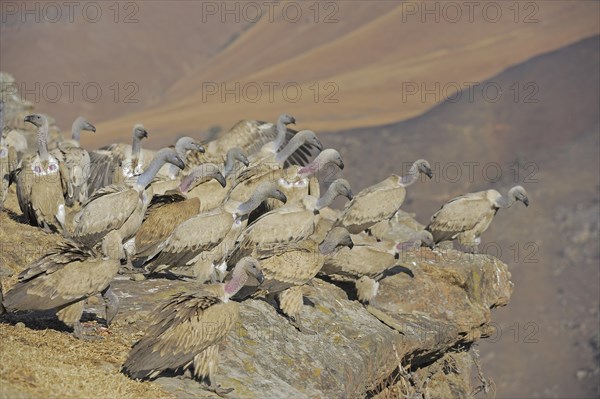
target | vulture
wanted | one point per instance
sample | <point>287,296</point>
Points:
<point>115,163</point>
<point>39,186</point>
<point>168,177</point>
<point>64,278</point>
<point>369,261</point>
<point>75,163</point>
<point>295,182</point>
<point>466,217</point>
<point>288,266</point>
<point>218,228</point>
<point>252,136</point>
<point>187,329</point>
<point>209,192</point>
<point>380,201</point>
<point>119,207</point>
<point>169,210</point>
<point>8,160</point>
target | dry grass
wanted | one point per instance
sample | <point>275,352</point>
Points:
<point>52,364</point>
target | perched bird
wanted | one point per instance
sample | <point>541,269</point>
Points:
<point>75,163</point>
<point>115,163</point>
<point>64,278</point>
<point>289,265</point>
<point>39,187</point>
<point>252,136</point>
<point>210,193</point>
<point>168,211</point>
<point>219,228</point>
<point>466,217</point>
<point>187,329</point>
<point>119,207</point>
<point>8,160</point>
<point>295,182</point>
<point>169,177</point>
<point>380,201</point>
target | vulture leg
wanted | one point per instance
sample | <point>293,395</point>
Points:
<point>2,308</point>
<point>71,316</point>
<point>469,241</point>
<point>111,302</point>
<point>205,363</point>
<point>290,303</point>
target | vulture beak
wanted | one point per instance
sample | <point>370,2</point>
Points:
<point>91,128</point>
<point>526,201</point>
<point>280,196</point>
<point>260,277</point>
<point>319,145</point>
<point>145,134</point>
<point>341,165</point>
<point>429,173</point>
<point>219,177</point>
<point>179,163</point>
<point>350,195</point>
<point>200,148</point>
<point>293,122</point>
<point>246,162</point>
<point>29,118</point>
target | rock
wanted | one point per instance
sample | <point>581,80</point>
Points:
<point>20,325</point>
<point>137,277</point>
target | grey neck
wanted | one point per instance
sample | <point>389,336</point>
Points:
<point>76,130</point>
<point>411,177</point>
<point>326,247</point>
<point>238,280</point>
<point>281,131</point>
<point>135,147</point>
<point>42,137</point>
<point>327,198</point>
<point>506,202</point>
<point>255,200</point>
<point>291,147</point>
<point>229,165</point>
<point>180,150</point>
<point>148,175</point>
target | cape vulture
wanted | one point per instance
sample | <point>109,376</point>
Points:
<point>39,186</point>
<point>64,278</point>
<point>380,201</point>
<point>466,217</point>
<point>187,329</point>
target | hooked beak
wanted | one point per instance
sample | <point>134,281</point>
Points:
<point>219,177</point>
<point>293,122</point>
<point>341,165</point>
<point>91,128</point>
<point>350,195</point>
<point>245,161</point>
<point>260,277</point>
<point>429,173</point>
<point>145,134</point>
<point>29,118</point>
<point>200,148</point>
<point>179,162</point>
<point>526,201</point>
<point>280,196</point>
<point>319,145</point>
<point>351,245</point>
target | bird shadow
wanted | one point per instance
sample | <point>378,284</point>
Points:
<point>19,218</point>
<point>347,286</point>
<point>40,320</point>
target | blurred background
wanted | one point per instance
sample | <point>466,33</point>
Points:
<point>492,94</point>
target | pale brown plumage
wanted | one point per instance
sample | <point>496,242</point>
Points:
<point>251,136</point>
<point>118,207</point>
<point>466,217</point>
<point>75,164</point>
<point>115,163</point>
<point>64,278</point>
<point>380,201</point>
<point>39,186</point>
<point>168,211</point>
<point>203,232</point>
<point>286,265</point>
<point>188,328</point>
<point>209,191</point>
